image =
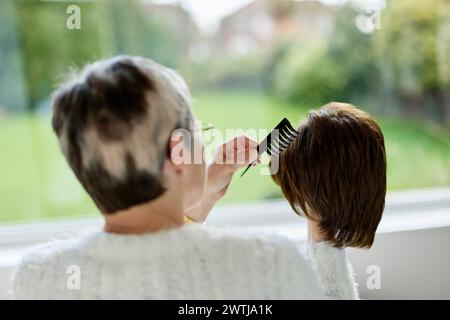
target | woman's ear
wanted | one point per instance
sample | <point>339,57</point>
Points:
<point>176,152</point>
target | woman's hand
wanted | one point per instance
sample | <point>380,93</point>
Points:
<point>230,157</point>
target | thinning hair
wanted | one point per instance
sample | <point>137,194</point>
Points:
<point>113,121</point>
<point>335,171</point>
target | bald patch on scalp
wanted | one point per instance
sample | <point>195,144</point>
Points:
<point>141,143</point>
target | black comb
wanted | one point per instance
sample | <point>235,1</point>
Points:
<point>277,140</point>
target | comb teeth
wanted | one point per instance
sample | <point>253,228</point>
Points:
<point>277,141</point>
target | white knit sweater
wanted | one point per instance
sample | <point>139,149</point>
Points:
<point>190,262</point>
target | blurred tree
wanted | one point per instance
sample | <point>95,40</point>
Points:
<point>413,51</point>
<point>127,27</point>
<point>12,86</point>
<point>403,68</point>
<point>319,71</point>
<point>49,49</point>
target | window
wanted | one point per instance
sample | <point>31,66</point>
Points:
<point>392,58</point>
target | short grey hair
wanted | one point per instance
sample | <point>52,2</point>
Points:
<point>114,121</point>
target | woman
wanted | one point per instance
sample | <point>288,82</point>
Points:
<point>127,130</point>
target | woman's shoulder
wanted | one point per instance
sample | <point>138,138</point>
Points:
<point>269,255</point>
<point>102,244</point>
<point>227,251</point>
<point>253,244</point>
<point>41,262</point>
<point>245,236</point>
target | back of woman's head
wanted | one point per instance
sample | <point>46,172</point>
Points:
<point>114,120</point>
<point>335,172</point>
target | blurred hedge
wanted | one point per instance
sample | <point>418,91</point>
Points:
<point>403,68</point>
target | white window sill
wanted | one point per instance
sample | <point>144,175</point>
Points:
<point>405,211</point>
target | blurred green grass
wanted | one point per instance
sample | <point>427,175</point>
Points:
<point>36,183</point>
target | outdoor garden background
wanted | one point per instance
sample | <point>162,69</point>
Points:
<point>258,63</point>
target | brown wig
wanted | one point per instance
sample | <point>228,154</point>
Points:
<point>335,173</point>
